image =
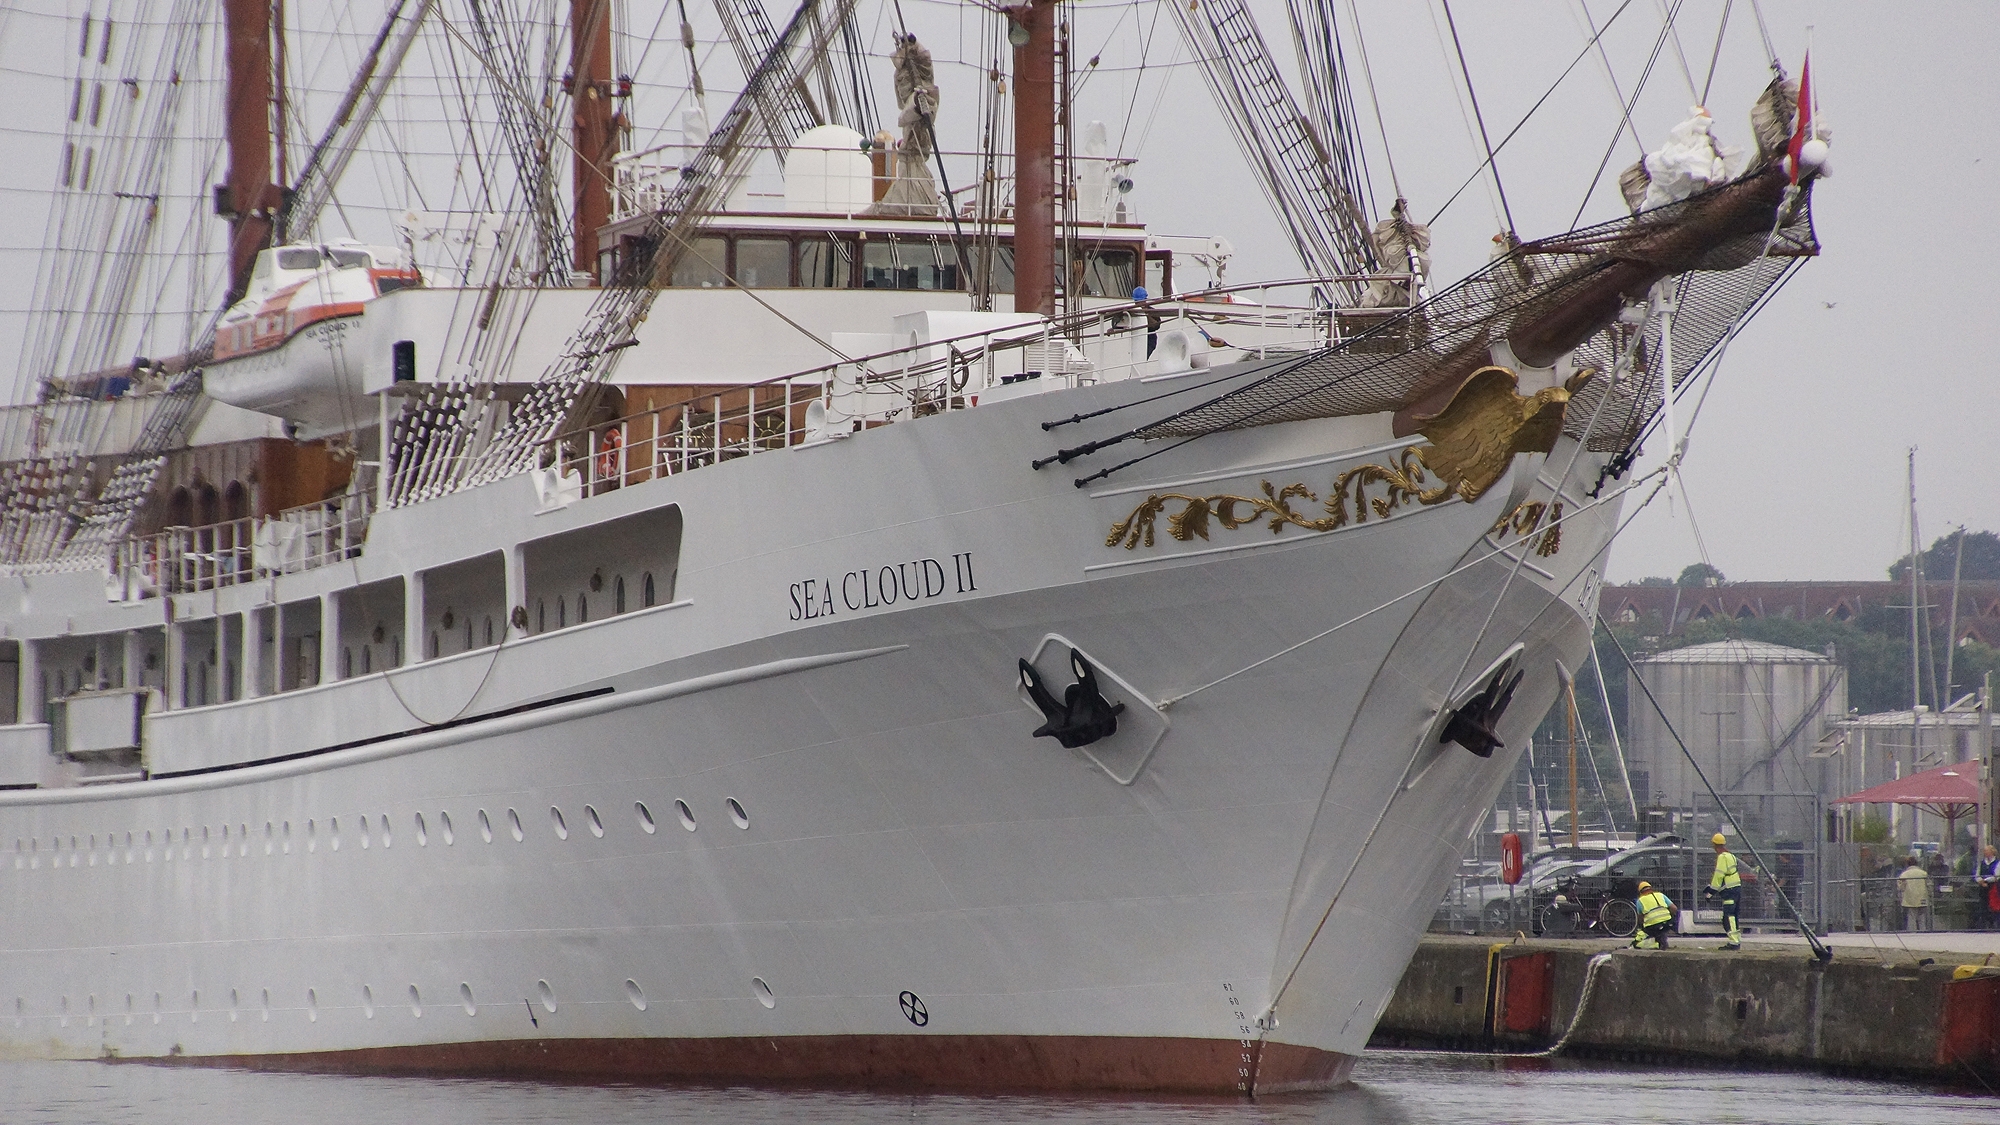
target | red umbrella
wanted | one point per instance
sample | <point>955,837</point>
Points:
<point>1951,792</point>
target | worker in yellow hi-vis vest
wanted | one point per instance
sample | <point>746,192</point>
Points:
<point>1656,918</point>
<point>1727,882</point>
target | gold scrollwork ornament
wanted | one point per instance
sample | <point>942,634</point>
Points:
<point>1403,481</point>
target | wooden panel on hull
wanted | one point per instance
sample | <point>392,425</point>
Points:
<point>936,1062</point>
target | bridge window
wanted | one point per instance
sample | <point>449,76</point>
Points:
<point>702,265</point>
<point>913,262</point>
<point>763,263</point>
<point>826,263</point>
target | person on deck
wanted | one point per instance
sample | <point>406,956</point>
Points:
<point>1986,874</point>
<point>1656,918</point>
<point>1916,889</point>
<point>1727,882</point>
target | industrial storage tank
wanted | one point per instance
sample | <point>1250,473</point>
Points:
<point>1751,714</point>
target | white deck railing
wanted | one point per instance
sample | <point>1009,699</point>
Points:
<point>181,560</point>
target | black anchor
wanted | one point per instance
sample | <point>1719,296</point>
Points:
<point>1471,726</point>
<point>1083,716</point>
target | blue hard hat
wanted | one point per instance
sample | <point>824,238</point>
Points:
<point>1139,294</point>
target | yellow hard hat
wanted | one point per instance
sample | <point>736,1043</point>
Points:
<point>1644,885</point>
<point>1717,840</point>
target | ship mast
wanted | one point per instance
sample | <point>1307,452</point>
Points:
<point>1031,29</point>
<point>248,198</point>
<point>593,128</point>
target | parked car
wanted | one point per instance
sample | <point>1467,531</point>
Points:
<point>1491,902</point>
<point>1477,899</point>
<point>1604,895</point>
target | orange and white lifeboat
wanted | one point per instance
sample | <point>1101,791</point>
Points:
<point>282,349</point>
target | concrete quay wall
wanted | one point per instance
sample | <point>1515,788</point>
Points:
<point>1773,1006</point>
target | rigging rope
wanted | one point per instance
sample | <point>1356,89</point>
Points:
<point>1659,44</point>
<point>1594,42</point>
<point>1477,116</point>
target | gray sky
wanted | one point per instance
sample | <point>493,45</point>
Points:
<point>1796,465</point>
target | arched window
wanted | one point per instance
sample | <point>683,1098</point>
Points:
<point>646,591</point>
<point>489,630</point>
<point>541,616</point>
<point>582,609</point>
<point>468,634</point>
<point>367,659</point>
<point>434,644</point>
<point>618,594</point>
<point>562,613</point>
<point>346,663</point>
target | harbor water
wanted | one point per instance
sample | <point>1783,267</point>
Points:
<point>1391,1088</point>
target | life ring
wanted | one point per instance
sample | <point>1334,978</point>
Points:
<point>607,453</point>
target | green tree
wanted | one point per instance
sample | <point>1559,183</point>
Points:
<point>1982,558</point>
<point>1700,574</point>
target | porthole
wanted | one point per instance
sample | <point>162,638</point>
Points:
<point>547,995</point>
<point>645,815</point>
<point>737,814</point>
<point>416,1002</point>
<point>333,832</point>
<point>444,827</point>
<point>635,994</point>
<point>465,998</point>
<point>485,827</point>
<point>367,1002</point>
<point>423,832</point>
<point>687,814</point>
<point>388,834</point>
<point>557,822</point>
<point>763,992</point>
<point>596,822</point>
<point>514,826</point>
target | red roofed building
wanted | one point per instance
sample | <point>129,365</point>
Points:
<point>1676,606</point>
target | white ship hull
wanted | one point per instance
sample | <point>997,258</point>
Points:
<point>1220,897</point>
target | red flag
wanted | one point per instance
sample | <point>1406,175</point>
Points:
<point>1804,132</point>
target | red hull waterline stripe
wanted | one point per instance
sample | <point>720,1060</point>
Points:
<point>931,1062</point>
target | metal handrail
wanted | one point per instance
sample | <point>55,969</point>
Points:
<point>184,559</point>
<point>710,426</point>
